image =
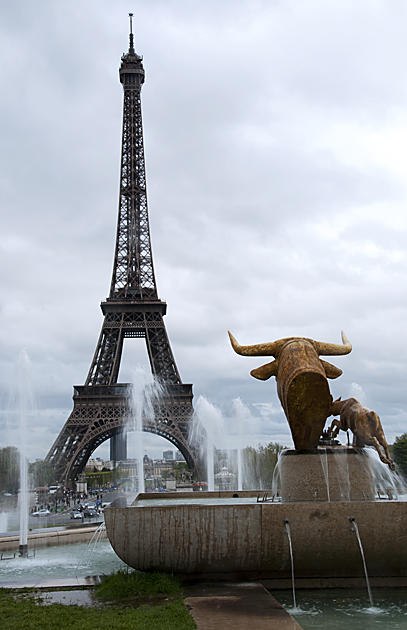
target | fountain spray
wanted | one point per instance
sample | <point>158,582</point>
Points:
<point>356,530</point>
<point>145,391</point>
<point>23,401</point>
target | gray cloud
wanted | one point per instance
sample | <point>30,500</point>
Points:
<point>275,137</point>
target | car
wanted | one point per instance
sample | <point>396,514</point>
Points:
<point>90,513</point>
<point>76,514</point>
<point>91,506</point>
<point>7,494</point>
<point>41,513</point>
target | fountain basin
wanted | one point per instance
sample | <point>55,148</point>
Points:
<point>247,539</point>
<point>52,538</point>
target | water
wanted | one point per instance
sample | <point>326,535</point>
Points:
<point>389,483</point>
<point>210,465</point>
<point>206,431</point>
<point>220,438</point>
<point>98,536</point>
<point>356,391</point>
<point>67,561</point>
<point>288,532</point>
<point>3,522</point>
<point>243,416</point>
<point>69,598</point>
<point>276,482</point>
<point>21,402</point>
<point>324,463</point>
<point>341,467</point>
<point>198,500</point>
<point>145,391</point>
<point>369,590</point>
<point>336,609</point>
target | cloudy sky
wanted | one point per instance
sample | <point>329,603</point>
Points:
<point>276,150</point>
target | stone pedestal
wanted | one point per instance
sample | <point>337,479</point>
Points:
<point>326,474</point>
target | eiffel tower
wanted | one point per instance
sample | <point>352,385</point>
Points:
<point>133,309</point>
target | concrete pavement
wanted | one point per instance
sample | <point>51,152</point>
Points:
<point>239,606</point>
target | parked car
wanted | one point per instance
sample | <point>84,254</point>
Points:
<point>76,514</point>
<point>41,513</point>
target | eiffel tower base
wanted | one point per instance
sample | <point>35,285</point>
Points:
<point>103,411</point>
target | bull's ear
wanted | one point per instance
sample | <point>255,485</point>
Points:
<point>331,371</point>
<point>264,372</point>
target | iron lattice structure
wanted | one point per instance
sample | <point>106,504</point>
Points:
<point>133,309</point>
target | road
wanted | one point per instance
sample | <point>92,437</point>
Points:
<point>59,519</point>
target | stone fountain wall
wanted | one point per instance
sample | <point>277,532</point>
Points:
<point>248,540</point>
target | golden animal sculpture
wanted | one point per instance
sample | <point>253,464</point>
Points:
<point>302,384</point>
<point>364,424</point>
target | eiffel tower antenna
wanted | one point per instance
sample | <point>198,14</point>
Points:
<point>131,42</point>
<point>133,309</point>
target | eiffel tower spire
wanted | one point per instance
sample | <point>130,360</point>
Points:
<point>133,272</point>
<point>131,36</point>
<point>133,309</point>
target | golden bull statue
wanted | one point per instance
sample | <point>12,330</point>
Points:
<point>302,384</point>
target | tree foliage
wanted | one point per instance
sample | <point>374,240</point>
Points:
<point>9,469</point>
<point>260,463</point>
<point>105,477</point>
<point>42,473</point>
<point>399,452</point>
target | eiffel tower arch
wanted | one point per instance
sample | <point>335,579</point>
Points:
<point>133,309</point>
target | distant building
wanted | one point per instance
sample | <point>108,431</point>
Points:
<point>179,456</point>
<point>92,464</point>
<point>118,447</point>
<point>168,456</point>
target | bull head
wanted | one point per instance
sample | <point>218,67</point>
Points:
<point>302,384</point>
<point>274,349</point>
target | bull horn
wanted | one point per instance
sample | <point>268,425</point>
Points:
<point>258,350</point>
<point>334,349</point>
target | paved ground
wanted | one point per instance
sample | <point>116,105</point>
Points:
<point>214,606</point>
<point>238,606</point>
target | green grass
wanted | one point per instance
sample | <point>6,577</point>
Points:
<point>130,583</point>
<point>24,612</point>
<point>19,613</point>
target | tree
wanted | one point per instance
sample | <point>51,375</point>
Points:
<point>42,473</point>
<point>179,468</point>
<point>261,462</point>
<point>9,469</point>
<point>399,452</point>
